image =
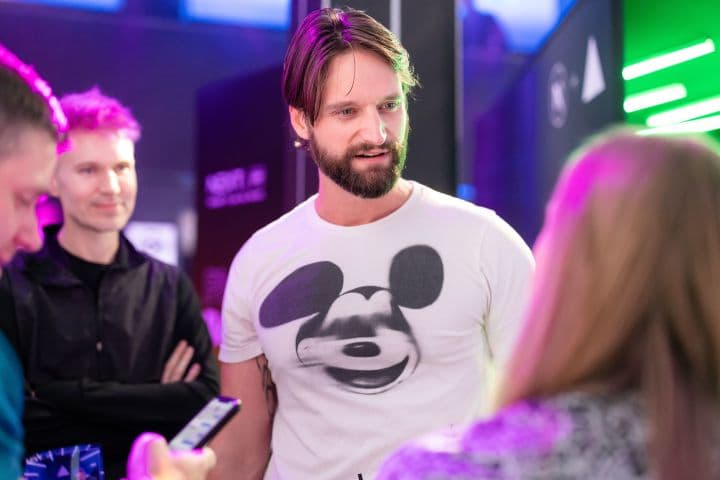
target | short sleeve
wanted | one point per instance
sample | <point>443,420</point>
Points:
<point>239,336</point>
<point>508,266</point>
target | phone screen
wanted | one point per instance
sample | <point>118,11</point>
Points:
<point>203,427</point>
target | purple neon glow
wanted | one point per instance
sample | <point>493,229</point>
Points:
<point>238,186</point>
<point>581,179</point>
<point>38,85</point>
<point>48,211</point>
<point>524,429</point>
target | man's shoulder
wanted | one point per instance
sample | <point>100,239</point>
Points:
<point>20,262</point>
<point>468,223</point>
<point>130,257</point>
<point>159,268</point>
<point>287,223</point>
<point>453,207</point>
<point>436,198</point>
<point>159,265</point>
<point>24,263</point>
<point>270,240</point>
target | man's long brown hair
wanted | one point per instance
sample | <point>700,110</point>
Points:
<point>323,35</point>
<point>627,291</point>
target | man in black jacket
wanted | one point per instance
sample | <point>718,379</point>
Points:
<point>112,341</point>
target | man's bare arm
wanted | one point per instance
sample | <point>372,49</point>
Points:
<point>243,446</point>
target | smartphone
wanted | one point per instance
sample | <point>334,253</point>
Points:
<point>206,424</point>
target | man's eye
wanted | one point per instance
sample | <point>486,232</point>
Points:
<point>345,112</point>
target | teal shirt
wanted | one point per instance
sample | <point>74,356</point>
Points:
<point>11,410</point>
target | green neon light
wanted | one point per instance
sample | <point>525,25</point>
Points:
<point>682,114</point>
<point>665,60</point>
<point>706,124</point>
<point>654,97</point>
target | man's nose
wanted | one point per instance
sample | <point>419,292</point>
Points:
<point>373,128</point>
<point>110,182</point>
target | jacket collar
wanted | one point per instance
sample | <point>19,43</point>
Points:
<point>50,265</point>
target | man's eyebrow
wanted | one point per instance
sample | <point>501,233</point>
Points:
<point>393,96</point>
<point>86,163</point>
<point>344,104</point>
<point>338,105</point>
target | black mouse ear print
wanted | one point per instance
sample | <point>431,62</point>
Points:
<point>305,291</point>
<point>416,276</point>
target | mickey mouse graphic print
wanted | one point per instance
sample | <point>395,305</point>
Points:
<point>360,337</point>
<point>376,333</point>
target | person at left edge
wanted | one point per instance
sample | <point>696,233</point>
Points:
<point>112,341</point>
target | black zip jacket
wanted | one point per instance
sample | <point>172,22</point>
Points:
<point>93,360</point>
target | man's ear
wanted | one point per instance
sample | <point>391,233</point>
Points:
<point>299,122</point>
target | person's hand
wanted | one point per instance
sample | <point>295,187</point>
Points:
<point>151,459</point>
<point>177,364</point>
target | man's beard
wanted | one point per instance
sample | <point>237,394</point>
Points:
<point>373,182</point>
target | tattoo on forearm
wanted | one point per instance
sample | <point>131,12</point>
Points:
<point>268,385</point>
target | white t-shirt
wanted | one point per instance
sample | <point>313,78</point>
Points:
<point>374,333</point>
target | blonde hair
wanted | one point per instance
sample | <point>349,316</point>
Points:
<point>627,291</point>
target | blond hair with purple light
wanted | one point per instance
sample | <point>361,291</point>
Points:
<point>626,291</point>
<point>93,110</point>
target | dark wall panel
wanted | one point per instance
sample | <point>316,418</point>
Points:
<point>240,171</point>
<point>568,91</point>
<point>428,33</point>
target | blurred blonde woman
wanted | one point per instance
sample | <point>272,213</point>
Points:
<point>617,373</point>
